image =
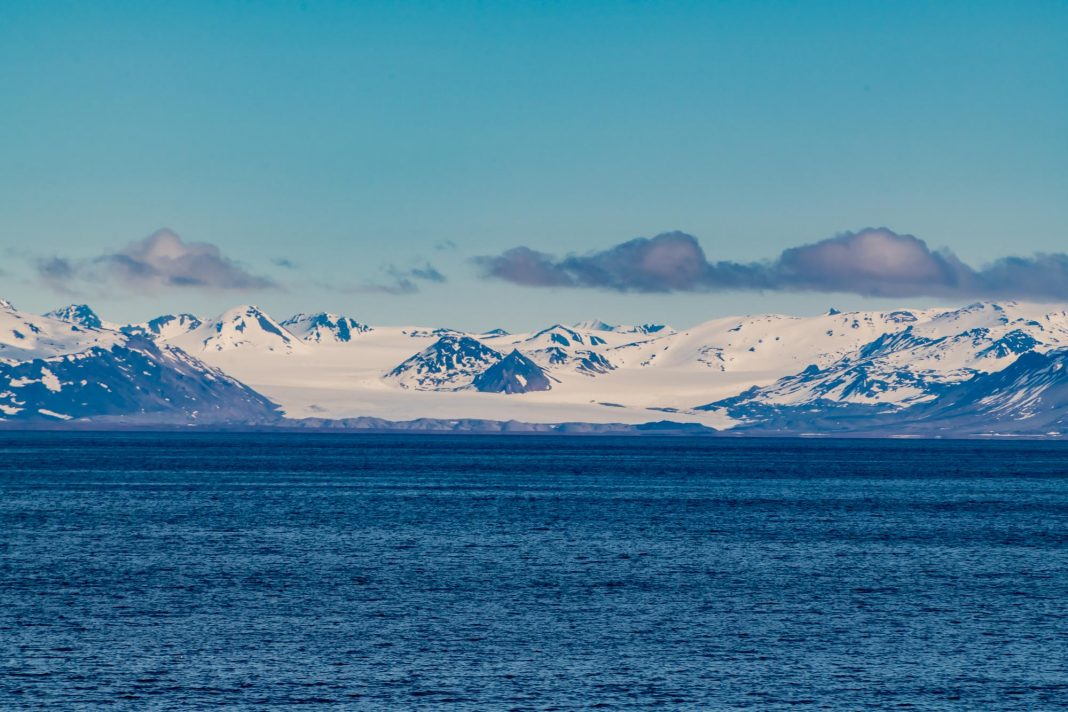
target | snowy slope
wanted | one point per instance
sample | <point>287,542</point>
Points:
<point>27,336</point>
<point>136,382</point>
<point>1029,398</point>
<point>1029,395</point>
<point>918,363</point>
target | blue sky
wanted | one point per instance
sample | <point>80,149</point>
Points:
<point>326,150</point>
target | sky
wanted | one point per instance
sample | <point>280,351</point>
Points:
<point>477,165</point>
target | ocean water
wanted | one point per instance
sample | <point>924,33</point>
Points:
<point>338,571</point>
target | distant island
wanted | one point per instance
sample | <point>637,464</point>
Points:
<point>984,370</point>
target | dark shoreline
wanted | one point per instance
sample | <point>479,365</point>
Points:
<point>460,427</point>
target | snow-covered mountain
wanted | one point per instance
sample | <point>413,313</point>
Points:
<point>598,325</point>
<point>561,348</point>
<point>164,327</point>
<point>918,363</point>
<point>26,336</point>
<point>1030,394</point>
<point>54,370</point>
<point>515,373</point>
<point>324,327</point>
<point>449,364</point>
<point>835,371</point>
<point>139,381</point>
<point>244,327</point>
<point>1028,397</point>
<point>79,314</point>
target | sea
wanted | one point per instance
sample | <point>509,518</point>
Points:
<point>263,571</point>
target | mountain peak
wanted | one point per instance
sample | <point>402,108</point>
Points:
<point>598,325</point>
<point>25,337</point>
<point>560,334</point>
<point>244,326</point>
<point>595,325</point>
<point>165,327</point>
<point>78,314</point>
<point>451,363</point>
<point>248,310</point>
<point>324,327</point>
<point>515,373</point>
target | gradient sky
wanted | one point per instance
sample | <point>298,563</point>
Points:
<point>329,147</point>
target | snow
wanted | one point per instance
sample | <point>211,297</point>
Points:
<point>50,381</point>
<point>47,379</point>
<point>81,315</point>
<point>651,374</point>
<point>245,327</point>
<point>348,380</point>
<point>24,337</point>
<point>450,363</point>
<point>328,365</point>
<point>324,326</point>
<point>168,326</point>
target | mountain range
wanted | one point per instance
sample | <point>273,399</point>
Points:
<point>987,369</point>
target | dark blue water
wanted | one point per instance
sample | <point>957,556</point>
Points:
<point>485,573</point>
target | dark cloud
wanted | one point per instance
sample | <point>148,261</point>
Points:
<point>870,262</point>
<point>873,262</point>
<point>673,261</point>
<point>522,265</point>
<point>55,268</point>
<point>160,261</point>
<point>427,273</point>
<point>1043,275</point>
<point>445,245</point>
<point>401,281</point>
<point>284,263</point>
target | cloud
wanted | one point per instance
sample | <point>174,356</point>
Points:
<point>284,263</point>
<point>870,262</point>
<point>671,262</point>
<point>874,262</point>
<point>56,268</point>
<point>400,281</point>
<point>427,273</point>
<point>522,265</point>
<point>160,261</point>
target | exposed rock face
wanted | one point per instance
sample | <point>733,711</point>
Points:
<point>138,382</point>
<point>515,373</point>
<point>79,314</point>
<point>164,327</point>
<point>450,363</point>
<point>325,327</point>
